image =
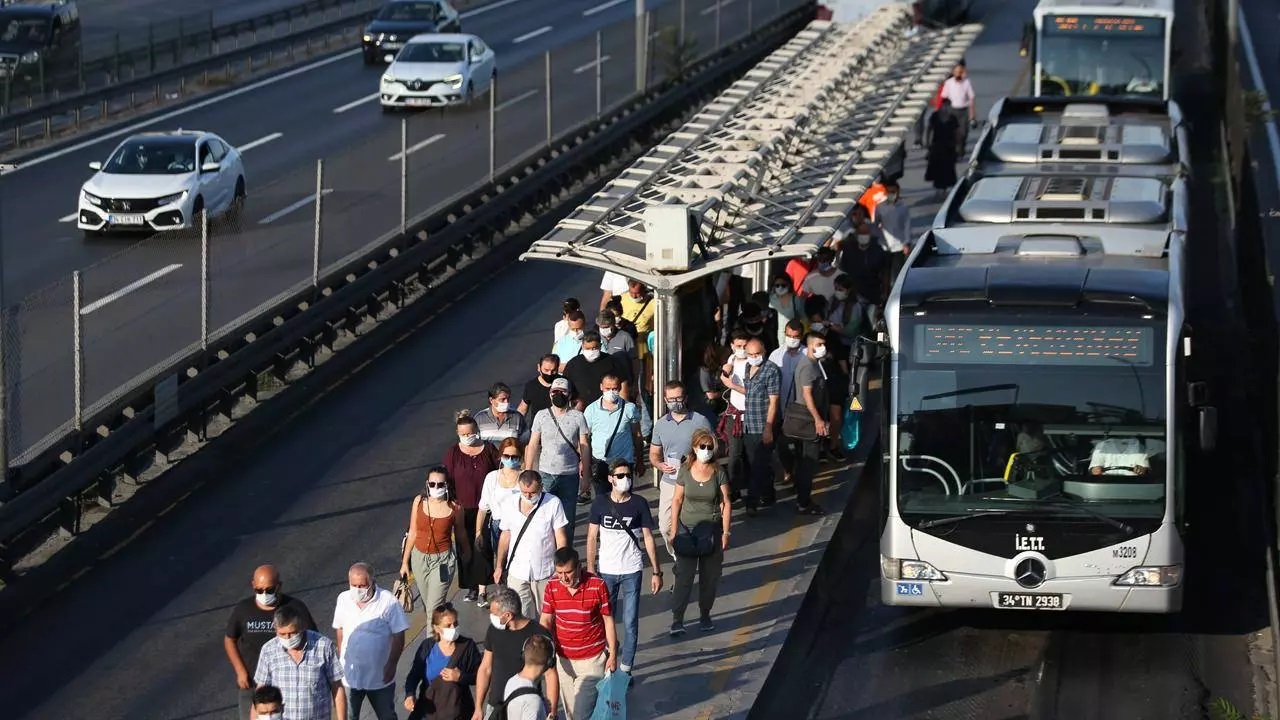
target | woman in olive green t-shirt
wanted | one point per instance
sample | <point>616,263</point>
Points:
<point>701,504</point>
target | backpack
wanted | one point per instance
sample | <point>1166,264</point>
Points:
<point>500,712</point>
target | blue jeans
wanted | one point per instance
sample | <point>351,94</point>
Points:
<point>624,601</point>
<point>383,701</point>
<point>564,487</point>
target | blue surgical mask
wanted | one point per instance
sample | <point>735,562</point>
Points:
<point>510,463</point>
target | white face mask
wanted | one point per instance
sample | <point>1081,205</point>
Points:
<point>610,396</point>
<point>449,634</point>
<point>740,352</point>
<point>818,326</point>
<point>606,332</point>
<point>864,240</point>
<point>438,493</point>
<point>703,455</point>
<point>577,334</point>
<point>622,484</point>
<point>819,352</point>
<point>496,621</point>
<point>469,439</point>
<point>756,361</point>
<point>842,294</point>
<point>591,355</point>
<point>292,643</point>
<point>502,406</point>
<point>265,599</point>
<point>793,343</point>
<point>779,289</point>
<point>271,716</point>
<point>364,594</point>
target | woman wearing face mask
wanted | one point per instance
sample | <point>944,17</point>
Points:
<point>700,507</point>
<point>468,463</point>
<point>435,532</point>
<point>443,671</point>
<point>499,485</point>
<point>786,304</point>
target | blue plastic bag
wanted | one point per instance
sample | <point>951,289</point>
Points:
<point>851,432</point>
<point>611,702</point>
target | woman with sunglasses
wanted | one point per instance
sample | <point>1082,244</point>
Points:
<point>499,486</point>
<point>700,509</point>
<point>436,530</point>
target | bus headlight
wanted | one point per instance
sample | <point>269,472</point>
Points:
<point>895,569</point>
<point>1152,576</point>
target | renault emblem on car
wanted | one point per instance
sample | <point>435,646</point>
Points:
<point>1030,573</point>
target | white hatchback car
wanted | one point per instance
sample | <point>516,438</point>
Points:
<point>437,70</point>
<point>161,181</point>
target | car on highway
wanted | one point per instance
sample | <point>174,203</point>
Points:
<point>438,71</point>
<point>400,20</point>
<point>162,181</point>
<point>39,41</point>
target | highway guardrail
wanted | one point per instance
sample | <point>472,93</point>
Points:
<point>72,485</point>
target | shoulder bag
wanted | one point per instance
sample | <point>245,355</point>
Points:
<point>506,567</point>
<point>700,540</point>
<point>797,421</point>
<point>600,468</point>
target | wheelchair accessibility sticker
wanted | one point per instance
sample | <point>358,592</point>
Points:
<point>913,589</point>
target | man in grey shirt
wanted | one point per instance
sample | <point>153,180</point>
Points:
<point>671,442</point>
<point>560,450</point>
<point>810,391</point>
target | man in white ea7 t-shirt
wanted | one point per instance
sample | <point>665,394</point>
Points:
<point>370,625</point>
<point>526,562</point>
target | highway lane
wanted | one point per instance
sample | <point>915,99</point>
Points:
<point>140,636</point>
<point>161,318</point>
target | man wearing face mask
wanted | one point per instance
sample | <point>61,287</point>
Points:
<point>759,383</point>
<point>536,395</point>
<point>587,370</point>
<point>786,358</point>
<point>865,262</point>
<point>500,421</point>
<point>822,280</point>
<point>251,625</point>
<point>560,450</point>
<point>671,443</point>
<point>786,304</point>
<point>370,627</point>
<point>569,346</point>
<point>533,524</point>
<point>729,426</point>
<point>576,610</point>
<point>810,388</point>
<point>893,217</point>
<point>268,703</point>
<point>304,664</point>
<point>504,652</point>
<point>615,431</point>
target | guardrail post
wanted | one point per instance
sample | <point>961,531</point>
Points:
<point>115,60</point>
<point>151,45</point>
<point>599,74</point>
<point>177,52</point>
<point>680,33</point>
<point>493,127</point>
<point>751,26</point>
<point>404,175</point>
<point>719,3</point>
<point>315,245</point>
<point>642,45</point>
<point>4,381</point>
<point>204,279</point>
<point>78,352</point>
<point>548,81</point>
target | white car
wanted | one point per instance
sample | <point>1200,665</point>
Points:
<point>161,181</point>
<point>437,70</point>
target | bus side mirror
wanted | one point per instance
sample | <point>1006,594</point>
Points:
<point>1197,394</point>
<point>1208,428</point>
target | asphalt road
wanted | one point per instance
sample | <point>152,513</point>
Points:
<point>875,661</point>
<point>328,112</point>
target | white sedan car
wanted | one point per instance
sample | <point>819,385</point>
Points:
<point>161,181</point>
<point>437,70</point>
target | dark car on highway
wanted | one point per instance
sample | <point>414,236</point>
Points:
<point>39,41</point>
<point>400,20</point>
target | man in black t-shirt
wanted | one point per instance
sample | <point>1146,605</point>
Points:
<point>251,625</point>
<point>504,651</point>
<point>588,369</point>
<point>537,392</point>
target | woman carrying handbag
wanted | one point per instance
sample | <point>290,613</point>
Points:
<point>438,686</point>
<point>700,516</point>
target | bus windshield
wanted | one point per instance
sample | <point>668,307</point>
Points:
<point>1086,58</point>
<point>990,416</point>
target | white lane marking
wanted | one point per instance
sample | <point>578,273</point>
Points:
<point>108,299</point>
<point>713,7</point>
<point>508,103</point>
<point>260,141</point>
<point>70,218</point>
<point>601,7</point>
<point>1255,72</point>
<point>229,95</point>
<point>355,103</point>
<point>295,206</point>
<point>418,146</point>
<point>531,35</point>
<point>583,68</point>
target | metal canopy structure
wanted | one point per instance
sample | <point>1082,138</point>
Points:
<point>773,166</point>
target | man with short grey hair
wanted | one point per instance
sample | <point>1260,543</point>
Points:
<point>304,665</point>
<point>371,626</point>
<point>504,652</point>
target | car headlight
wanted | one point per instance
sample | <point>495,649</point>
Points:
<point>392,38</point>
<point>389,80</point>
<point>30,58</point>
<point>453,81</point>
<point>1152,576</point>
<point>895,569</point>
<point>91,198</point>
<point>367,37</point>
<point>170,199</point>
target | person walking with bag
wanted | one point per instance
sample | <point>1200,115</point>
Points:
<point>700,516</point>
<point>499,486</point>
<point>468,463</point>
<point>804,420</point>
<point>438,686</point>
<point>533,528</point>
<point>436,529</point>
<point>560,449</point>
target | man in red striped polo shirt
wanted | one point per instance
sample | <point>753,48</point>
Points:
<point>575,608</point>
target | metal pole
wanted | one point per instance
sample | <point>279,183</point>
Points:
<point>404,175</point>
<point>4,378</point>
<point>718,4</point>
<point>315,244</point>
<point>760,277</point>
<point>642,45</point>
<point>493,125</point>
<point>204,280</point>
<point>548,64</point>
<point>750,11</point>
<point>77,350</point>
<point>599,74</point>
<point>680,37</point>
<point>666,349</point>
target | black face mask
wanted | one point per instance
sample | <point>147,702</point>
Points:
<point>560,400</point>
<point>548,377</point>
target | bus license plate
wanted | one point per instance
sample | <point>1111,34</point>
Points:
<point>127,219</point>
<point>1029,601</point>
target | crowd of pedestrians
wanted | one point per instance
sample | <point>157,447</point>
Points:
<point>497,517</point>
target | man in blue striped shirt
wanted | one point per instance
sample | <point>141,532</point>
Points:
<point>304,665</point>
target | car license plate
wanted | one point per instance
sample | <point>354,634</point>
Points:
<point>1029,601</point>
<point>392,45</point>
<point>127,219</point>
<point>417,101</point>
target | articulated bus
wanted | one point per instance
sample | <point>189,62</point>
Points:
<point>1038,400</point>
<point>1117,48</point>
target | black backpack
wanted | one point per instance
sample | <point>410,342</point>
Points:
<point>500,712</point>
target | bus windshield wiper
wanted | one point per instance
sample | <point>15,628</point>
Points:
<point>973,513</point>
<point>1068,505</point>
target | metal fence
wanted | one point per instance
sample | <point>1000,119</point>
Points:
<point>80,344</point>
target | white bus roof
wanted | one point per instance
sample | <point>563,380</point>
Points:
<point>1094,7</point>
